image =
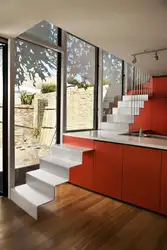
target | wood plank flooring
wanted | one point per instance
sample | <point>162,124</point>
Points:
<point>81,220</point>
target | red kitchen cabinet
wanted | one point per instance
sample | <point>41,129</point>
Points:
<point>76,141</point>
<point>108,169</point>
<point>82,175</point>
<point>142,177</point>
<point>164,184</point>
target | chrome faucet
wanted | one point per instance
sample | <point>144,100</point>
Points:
<point>140,132</point>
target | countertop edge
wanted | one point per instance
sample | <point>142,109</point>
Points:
<point>118,141</point>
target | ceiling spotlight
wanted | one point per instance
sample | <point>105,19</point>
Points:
<point>134,59</point>
<point>156,57</point>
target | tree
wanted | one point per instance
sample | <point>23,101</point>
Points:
<point>32,61</point>
<point>112,68</point>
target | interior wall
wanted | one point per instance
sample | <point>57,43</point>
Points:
<point>154,115</point>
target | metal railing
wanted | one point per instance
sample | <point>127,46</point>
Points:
<point>138,84</point>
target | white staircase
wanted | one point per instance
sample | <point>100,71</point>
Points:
<point>40,184</point>
<point>125,113</point>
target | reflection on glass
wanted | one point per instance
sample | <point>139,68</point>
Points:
<point>80,83</point>
<point>44,32</point>
<point>112,83</point>
<point>35,102</point>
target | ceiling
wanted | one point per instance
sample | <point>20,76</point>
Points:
<point>118,26</point>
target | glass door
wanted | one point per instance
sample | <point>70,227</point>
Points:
<point>3,119</point>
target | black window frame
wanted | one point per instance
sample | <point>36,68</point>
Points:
<point>96,87</point>
<point>4,163</point>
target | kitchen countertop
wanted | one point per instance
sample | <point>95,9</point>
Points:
<point>116,137</point>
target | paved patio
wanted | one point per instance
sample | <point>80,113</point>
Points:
<point>27,155</point>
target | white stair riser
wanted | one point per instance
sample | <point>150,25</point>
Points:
<point>27,206</point>
<point>126,111</point>
<point>114,126</point>
<point>120,118</point>
<point>129,104</point>
<point>106,105</point>
<point>54,169</point>
<point>70,154</point>
<point>40,185</point>
<point>135,97</point>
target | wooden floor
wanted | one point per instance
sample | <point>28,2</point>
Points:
<point>79,219</point>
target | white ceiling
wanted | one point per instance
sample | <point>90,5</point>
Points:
<point>118,26</point>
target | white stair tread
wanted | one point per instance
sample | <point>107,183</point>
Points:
<point>126,116</point>
<point>46,177</point>
<point>133,97</point>
<point>66,163</point>
<point>32,195</point>
<point>67,146</point>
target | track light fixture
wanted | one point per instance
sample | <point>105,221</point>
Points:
<point>154,52</point>
<point>156,57</point>
<point>134,59</point>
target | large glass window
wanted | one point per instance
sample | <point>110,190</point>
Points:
<point>130,77</point>
<point>35,102</point>
<point>80,84</point>
<point>44,32</point>
<point>112,83</point>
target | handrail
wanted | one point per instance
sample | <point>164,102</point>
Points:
<point>139,85</point>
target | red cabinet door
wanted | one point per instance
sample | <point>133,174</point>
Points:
<point>108,169</point>
<point>82,175</point>
<point>142,177</point>
<point>164,184</point>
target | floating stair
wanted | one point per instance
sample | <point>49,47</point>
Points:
<point>40,184</point>
<point>125,113</point>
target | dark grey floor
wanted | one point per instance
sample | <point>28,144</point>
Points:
<point>20,175</point>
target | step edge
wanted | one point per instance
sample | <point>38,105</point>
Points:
<point>52,185</point>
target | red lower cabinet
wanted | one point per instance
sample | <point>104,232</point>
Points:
<point>82,175</point>
<point>108,169</point>
<point>164,184</point>
<point>142,177</point>
<point>76,141</point>
<point>132,174</point>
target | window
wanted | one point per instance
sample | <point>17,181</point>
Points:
<point>112,83</point>
<point>80,84</point>
<point>35,102</point>
<point>130,76</point>
<point>44,32</point>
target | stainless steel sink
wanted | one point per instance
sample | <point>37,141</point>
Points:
<point>146,135</point>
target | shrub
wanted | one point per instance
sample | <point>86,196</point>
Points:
<point>36,132</point>
<point>106,82</point>
<point>48,87</point>
<point>80,85</point>
<point>26,99</point>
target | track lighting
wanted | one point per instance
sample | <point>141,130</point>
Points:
<point>156,57</point>
<point>146,51</point>
<point>134,59</point>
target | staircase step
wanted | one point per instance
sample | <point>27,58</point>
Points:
<point>44,182</point>
<point>28,199</point>
<point>120,118</point>
<point>126,111</point>
<point>72,153</point>
<point>57,166</point>
<point>135,97</point>
<point>137,103</point>
<point>120,127</point>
